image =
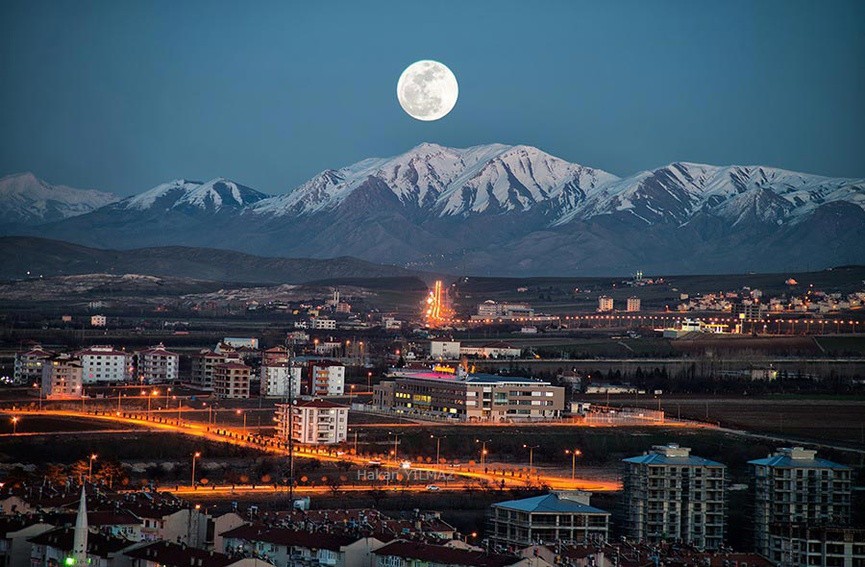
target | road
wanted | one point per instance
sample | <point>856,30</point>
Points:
<point>493,473</point>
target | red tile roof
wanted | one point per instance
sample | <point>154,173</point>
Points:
<point>174,555</point>
<point>445,555</point>
<point>97,543</point>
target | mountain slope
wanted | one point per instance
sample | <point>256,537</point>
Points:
<point>26,200</point>
<point>41,257</point>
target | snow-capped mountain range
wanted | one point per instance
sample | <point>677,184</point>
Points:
<point>505,210</point>
<point>27,200</point>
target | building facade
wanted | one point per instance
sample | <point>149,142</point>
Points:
<point>62,378</point>
<point>202,365</point>
<point>281,379</point>
<point>313,422</point>
<point>28,365</point>
<point>605,304</point>
<point>444,350</point>
<point>793,485</point>
<point>231,380</point>
<point>672,495</point>
<point>551,518</point>
<point>326,379</point>
<point>800,545</point>
<point>101,364</point>
<point>633,305</point>
<point>157,365</point>
<point>476,397</point>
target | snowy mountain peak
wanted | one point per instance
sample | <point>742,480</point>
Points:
<point>434,180</point>
<point>214,195</point>
<point>27,200</point>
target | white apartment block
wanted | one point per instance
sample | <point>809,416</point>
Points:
<point>281,379</point>
<point>157,364</point>
<point>323,324</point>
<point>314,422</point>
<point>62,378</point>
<point>633,305</point>
<point>445,350</point>
<point>231,380</point>
<point>792,486</point>
<point>801,545</point>
<point>102,364</point>
<point>326,379</point>
<point>671,495</point>
<point>98,320</point>
<point>605,304</point>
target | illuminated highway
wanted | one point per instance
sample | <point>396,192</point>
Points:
<point>465,476</point>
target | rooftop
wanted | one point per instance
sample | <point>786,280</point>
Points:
<point>549,503</point>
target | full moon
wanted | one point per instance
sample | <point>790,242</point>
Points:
<point>427,90</point>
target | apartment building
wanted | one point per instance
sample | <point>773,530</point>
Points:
<point>326,379</point>
<point>793,485</point>
<point>103,364</point>
<point>231,380</point>
<point>156,365</point>
<point>62,378</point>
<point>314,422</point>
<point>281,379</point>
<point>672,495</point>
<point>551,518</point>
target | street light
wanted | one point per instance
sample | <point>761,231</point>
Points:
<point>574,453</point>
<point>531,449</point>
<point>243,413</point>
<point>15,425</point>
<point>90,468</point>
<point>195,455</point>
<point>438,439</point>
<point>350,394</point>
<point>396,437</point>
<point>483,449</point>
<point>149,398</point>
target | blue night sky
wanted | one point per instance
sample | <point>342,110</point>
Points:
<point>121,96</point>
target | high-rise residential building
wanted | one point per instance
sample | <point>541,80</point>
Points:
<point>156,364</point>
<point>672,495</point>
<point>102,364</point>
<point>551,518</point>
<point>62,378</point>
<point>326,379</point>
<point>633,305</point>
<point>314,422</point>
<point>281,379</point>
<point>28,365</point>
<point>605,304</point>
<point>231,380</point>
<point>793,485</point>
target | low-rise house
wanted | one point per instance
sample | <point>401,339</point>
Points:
<point>15,532</point>
<point>167,554</point>
<point>402,553</point>
<point>558,516</point>
<point>287,547</point>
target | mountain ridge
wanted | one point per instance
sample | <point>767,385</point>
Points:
<point>504,210</point>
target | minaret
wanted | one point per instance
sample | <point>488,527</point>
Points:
<point>79,545</point>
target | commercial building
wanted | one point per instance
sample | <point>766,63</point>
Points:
<point>325,379</point>
<point>633,305</point>
<point>671,495</point>
<point>496,349</point>
<point>62,378</point>
<point>323,324</point>
<point>231,380</point>
<point>28,365</point>
<point>475,397</point>
<point>157,364</point>
<point>551,518</point>
<point>793,485</point>
<point>105,364</point>
<point>491,310</point>
<point>605,304</point>
<point>281,379</point>
<point>314,422</point>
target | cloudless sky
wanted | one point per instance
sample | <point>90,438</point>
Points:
<point>121,96</point>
